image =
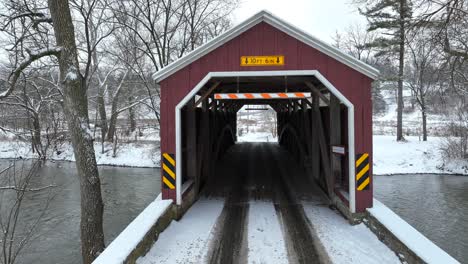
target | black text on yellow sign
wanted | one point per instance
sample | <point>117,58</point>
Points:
<point>362,171</point>
<point>168,171</point>
<point>277,60</point>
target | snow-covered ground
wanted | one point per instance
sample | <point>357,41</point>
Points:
<point>257,137</point>
<point>127,154</point>
<point>265,240</point>
<point>412,156</point>
<point>385,123</point>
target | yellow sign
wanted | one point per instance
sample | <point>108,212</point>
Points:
<point>262,60</point>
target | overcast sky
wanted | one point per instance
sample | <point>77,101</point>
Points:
<point>320,18</point>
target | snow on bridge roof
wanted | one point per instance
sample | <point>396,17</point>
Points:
<point>267,17</point>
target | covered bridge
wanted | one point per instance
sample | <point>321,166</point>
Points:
<point>321,95</point>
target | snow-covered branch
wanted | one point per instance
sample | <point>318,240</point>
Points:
<point>15,188</point>
<point>132,105</point>
<point>34,56</point>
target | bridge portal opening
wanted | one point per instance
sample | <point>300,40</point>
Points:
<point>257,123</point>
<point>312,124</point>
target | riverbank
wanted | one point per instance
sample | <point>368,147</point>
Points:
<point>390,156</point>
<point>127,154</point>
<point>413,157</point>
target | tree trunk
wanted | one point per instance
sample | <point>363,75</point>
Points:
<point>102,114</point>
<point>131,116</point>
<point>424,119</point>
<point>36,137</point>
<point>76,113</point>
<point>400,71</point>
<point>113,122</point>
<point>114,115</point>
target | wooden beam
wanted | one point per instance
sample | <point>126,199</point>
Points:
<point>315,149</point>
<point>324,151</point>
<point>273,106</point>
<point>190,142</point>
<point>317,92</point>
<point>335,138</point>
<point>212,105</point>
<point>207,93</point>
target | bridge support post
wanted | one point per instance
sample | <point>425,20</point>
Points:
<point>335,138</point>
<point>191,141</point>
<point>324,151</point>
<point>203,140</point>
<point>314,139</point>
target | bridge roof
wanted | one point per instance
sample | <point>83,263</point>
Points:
<point>267,17</point>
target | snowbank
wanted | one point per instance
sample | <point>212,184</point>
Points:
<point>418,243</point>
<point>412,156</point>
<point>345,243</point>
<point>128,154</point>
<point>133,234</point>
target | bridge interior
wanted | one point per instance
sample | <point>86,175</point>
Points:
<point>307,127</point>
<point>300,168</point>
<point>265,172</point>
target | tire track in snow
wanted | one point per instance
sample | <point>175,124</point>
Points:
<point>265,238</point>
<point>296,229</point>
<point>229,246</point>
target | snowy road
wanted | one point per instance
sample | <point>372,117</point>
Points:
<point>254,213</point>
<point>262,176</point>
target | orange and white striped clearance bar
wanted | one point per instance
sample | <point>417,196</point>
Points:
<point>234,96</point>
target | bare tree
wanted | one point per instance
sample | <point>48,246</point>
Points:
<point>449,21</point>
<point>76,112</point>
<point>204,19</point>
<point>36,99</point>
<point>96,24</point>
<point>424,71</point>
<point>72,40</point>
<point>354,41</point>
<point>75,105</point>
<point>155,24</point>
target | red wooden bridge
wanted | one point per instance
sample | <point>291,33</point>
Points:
<point>267,56</point>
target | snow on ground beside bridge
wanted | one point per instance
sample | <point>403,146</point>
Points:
<point>128,154</point>
<point>412,156</point>
<point>265,238</point>
<point>187,240</point>
<point>345,243</point>
<point>257,137</point>
<point>385,122</point>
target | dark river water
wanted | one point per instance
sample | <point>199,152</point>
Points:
<point>126,192</point>
<point>436,205</point>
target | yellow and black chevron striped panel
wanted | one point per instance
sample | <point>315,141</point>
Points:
<point>168,171</point>
<point>362,171</point>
